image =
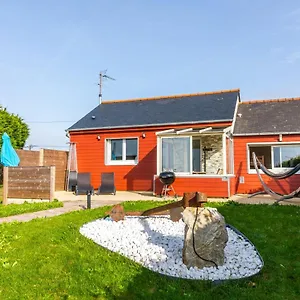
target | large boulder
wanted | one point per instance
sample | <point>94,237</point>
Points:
<point>208,235</point>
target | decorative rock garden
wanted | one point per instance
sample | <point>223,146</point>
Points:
<point>161,245</point>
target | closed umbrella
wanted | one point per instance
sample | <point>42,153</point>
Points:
<point>9,157</point>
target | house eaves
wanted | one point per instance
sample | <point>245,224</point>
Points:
<point>264,133</point>
<point>148,125</point>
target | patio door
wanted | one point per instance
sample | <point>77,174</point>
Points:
<point>196,155</point>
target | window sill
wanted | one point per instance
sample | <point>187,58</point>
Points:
<point>202,175</point>
<point>121,163</point>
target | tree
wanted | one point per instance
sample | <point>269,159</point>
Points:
<point>15,127</point>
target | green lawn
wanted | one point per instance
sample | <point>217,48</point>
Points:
<point>49,259</point>
<point>17,209</point>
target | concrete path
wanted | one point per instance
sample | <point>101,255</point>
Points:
<point>75,205</point>
<point>262,199</point>
<point>69,206</point>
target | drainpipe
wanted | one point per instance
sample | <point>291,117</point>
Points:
<point>153,192</point>
<point>228,186</point>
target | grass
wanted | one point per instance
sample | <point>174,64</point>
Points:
<point>49,259</point>
<point>17,209</point>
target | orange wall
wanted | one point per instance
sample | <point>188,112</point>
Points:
<point>91,158</point>
<point>252,183</point>
<point>213,187</point>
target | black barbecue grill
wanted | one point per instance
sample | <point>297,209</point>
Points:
<point>167,178</point>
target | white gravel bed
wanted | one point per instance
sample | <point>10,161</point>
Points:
<point>157,242</point>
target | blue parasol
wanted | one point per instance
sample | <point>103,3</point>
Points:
<point>9,157</point>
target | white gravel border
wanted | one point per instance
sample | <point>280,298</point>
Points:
<point>157,242</point>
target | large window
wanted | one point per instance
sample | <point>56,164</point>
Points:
<point>178,157</point>
<point>122,151</point>
<point>276,156</point>
<point>176,154</point>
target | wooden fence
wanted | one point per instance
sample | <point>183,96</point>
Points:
<point>28,183</point>
<point>46,157</point>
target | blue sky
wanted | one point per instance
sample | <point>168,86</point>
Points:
<point>51,53</point>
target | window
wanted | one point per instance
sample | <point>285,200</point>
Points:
<point>196,156</point>
<point>121,151</point>
<point>181,155</point>
<point>286,157</point>
<point>176,154</point>
<point>263,153</point>
<point>276,156</point>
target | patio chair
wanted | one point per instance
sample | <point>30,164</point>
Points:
<point>107,184</point>
<point>72,181</point>
<point>84,184</point>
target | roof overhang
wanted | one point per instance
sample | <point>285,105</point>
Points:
<point>264,133</point>
<point>148,125</point>
<point>195,131</point>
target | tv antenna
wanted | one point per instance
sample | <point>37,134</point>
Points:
<point>103,76</point>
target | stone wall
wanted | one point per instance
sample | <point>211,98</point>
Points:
<point>214,158</point>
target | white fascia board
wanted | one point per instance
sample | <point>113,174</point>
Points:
<point>227,129</point>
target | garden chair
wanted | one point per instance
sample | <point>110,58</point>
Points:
<point>72,181</point>
<point>107,184</point>
<point>84,184</point>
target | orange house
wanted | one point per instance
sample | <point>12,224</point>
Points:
<point>205,138</point>
<point>138,139</point>
<point>271,129</point>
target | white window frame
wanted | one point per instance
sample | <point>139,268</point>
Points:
<point>109,161</point>
<point>177,137</point>
<point>191,174</point>
<point>272,145</point>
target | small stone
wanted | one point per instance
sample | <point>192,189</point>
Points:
<point>117,213</point>
<point>176,214</point>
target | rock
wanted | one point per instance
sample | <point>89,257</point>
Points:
<point>176,214</point>
<point>117,213</point>
<point>210,236</point>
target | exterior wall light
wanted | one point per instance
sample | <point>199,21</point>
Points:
<point>143,135</point>
<point>98,137</point>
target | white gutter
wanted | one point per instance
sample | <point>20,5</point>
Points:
<point>264,133</point>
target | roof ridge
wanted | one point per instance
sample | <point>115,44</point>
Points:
<point>171,96</point>
<point>271,100</point>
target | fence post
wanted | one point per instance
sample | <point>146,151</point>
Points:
<point>52,182</point>
<point>5,185</point>
<point>41,158</point>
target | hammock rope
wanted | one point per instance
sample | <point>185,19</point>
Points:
<point>278,197</point>
<point>280,175</point>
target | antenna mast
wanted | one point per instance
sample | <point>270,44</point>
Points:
<point>102,76</point>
